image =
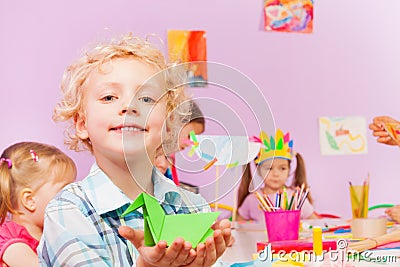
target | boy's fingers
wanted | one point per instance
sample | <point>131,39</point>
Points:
<point>231,241</point>
<point>225,227</point>
<point>181,259</point>
<point>220,243</point>
<point>134,236</point>
<point>156,253</point>
<point>227,236</point>
<point>224,224</point>
<point>211,253</point>
<point>191,256</point>
<point>173,251</point>
<point>200,254</point>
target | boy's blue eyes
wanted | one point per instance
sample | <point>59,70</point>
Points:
<point>144,99</point>
<point>147,99</point>
<point>108,98</point>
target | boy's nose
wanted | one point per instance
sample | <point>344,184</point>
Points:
<point>129,108</point>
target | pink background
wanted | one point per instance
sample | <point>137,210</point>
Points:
<point>348,66</point>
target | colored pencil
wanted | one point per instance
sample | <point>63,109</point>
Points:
<point>291,200</point>
<point>303,199</point>
<point>264,205</point>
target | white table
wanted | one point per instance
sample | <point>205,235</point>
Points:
<point>246,236</point>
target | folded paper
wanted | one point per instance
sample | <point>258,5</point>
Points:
<point>194,228</point>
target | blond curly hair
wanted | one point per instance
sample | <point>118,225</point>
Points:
<point>75,78</point>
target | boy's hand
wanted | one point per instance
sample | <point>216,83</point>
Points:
<point>225,226</point>
<point>178,254</point>
<point>208,253</point>
<point>379,131</point>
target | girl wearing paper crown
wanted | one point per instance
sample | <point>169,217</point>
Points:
<point>277,166</point>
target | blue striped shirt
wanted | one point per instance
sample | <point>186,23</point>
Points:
<point>82,221</point>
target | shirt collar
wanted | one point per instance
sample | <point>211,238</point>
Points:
<point>105,196</point>
<point>165,190</point>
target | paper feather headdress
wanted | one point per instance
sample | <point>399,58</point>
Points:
<point>279,147</point>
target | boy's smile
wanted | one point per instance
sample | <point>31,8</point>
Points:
<point>124,112</point>
<point>127,128</point>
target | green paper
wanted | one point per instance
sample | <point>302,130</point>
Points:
<point>279,146</point>
<point>194,228</point>
<point>272,143</point>
<point>267,147</point>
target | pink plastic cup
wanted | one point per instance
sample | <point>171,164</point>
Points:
<point>282,225</point>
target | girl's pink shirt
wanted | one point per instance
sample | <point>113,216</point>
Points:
<point>249,209</point>
<point>11,233</point>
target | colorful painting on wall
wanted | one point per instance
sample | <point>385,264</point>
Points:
<point>343,135</point>
<point>289,15</point>
<point>189,47</point>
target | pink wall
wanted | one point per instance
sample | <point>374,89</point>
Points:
<point>348,66</point>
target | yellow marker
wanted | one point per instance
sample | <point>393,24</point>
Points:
<point>317,240</point>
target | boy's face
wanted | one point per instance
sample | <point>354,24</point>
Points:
<point>275,173</point>
<point>123,115</point>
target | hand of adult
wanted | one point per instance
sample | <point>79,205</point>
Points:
<point>379,131</point>
<point>394,213</point>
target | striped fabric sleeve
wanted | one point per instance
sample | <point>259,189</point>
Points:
<point>71,239</point>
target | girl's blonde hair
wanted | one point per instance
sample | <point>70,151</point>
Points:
<point>75,78</point>
<point>29,164</point>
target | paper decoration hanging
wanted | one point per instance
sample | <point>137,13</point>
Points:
<point>289,15</point>
<point>189,47</point>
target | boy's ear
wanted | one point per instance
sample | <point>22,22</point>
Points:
<point>80,127</point>
<point>28,200</point>
<point>169,122</point>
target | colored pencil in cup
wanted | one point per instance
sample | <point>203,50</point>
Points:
<point>263,204</point>
<point>303,199</point>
